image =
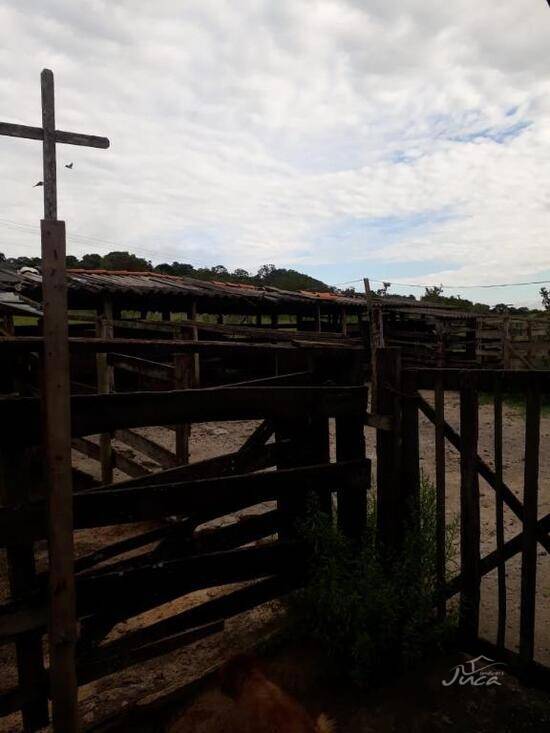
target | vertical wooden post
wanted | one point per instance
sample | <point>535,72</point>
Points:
<point>105,386</point>
<point>409,495</point>
<point>469,510</point>
<point>274,320</point>
<point>57,441</point>
<point>344,320</point>
<point>350,445</point>
<point>530,511</point>
<point>196,360</point>
<point>259,320</point>
<point>14,489</point>
<point>499,513</point>
<point>48,147</point>
<point>440,488</point>
<point>292,505</point>
<point>318,325</point>
<point>388,446</point>
<point>506,342</point>
<point>183,379</point>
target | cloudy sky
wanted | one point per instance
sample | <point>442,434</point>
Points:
<point>407,140</point>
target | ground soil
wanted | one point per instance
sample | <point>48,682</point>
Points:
<point>123,689</point>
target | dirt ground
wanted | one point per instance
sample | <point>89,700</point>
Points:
<point>414,703</point>
<point>125,688</point>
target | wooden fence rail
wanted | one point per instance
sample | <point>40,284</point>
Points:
<point>469,383</point>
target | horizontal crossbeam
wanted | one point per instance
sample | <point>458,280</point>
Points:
<point>69,138</point>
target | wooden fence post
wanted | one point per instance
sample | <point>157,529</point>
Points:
<point>183,379</point>
<point>57,442</point>
<point>499,513</point>
<point>409,499</point>
<point>350,445</point>
<point>469,510</point>
<point>388,446</point>
<point>440,489</point>
<point>530,511</point>
<point>14,489</point>
<point>105,378</point>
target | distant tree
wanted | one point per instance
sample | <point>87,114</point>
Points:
<point>383,291</point>
<point>433,293</point>
<point>545,295</point>
<point>125,261</point>
<point>240,274</point>
<point>265,271</point>
<point>2,257</point>
<point>92,262</point>
<point>72,262</point>
<point>219,270</point>
<point>502,308</point>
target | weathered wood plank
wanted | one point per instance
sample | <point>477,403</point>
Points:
<point>141,347</point>
<point>530,511</point>
<point>149,448</point>
<point>469,511</point>
<point>499,514</point>
<point>68,138</point>
<point>388,447</point>
<point>209,498</point>
<point>57,442</point>
<point>105,384</point>
<point>509,498</point>
<point>440,488</point>
<point>94,414</point>
<point>23,583</point>
<point>93,450</point>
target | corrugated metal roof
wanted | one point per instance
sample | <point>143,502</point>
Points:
<point>115,282</point>
<point>14,304</point>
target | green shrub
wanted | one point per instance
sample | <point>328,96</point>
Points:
<point>373,614</point>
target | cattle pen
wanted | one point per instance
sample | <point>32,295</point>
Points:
<point>131,371</point>
<point>105,376</point>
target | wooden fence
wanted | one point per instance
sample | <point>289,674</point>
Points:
<point>403,394</point>
<point>174,558</point>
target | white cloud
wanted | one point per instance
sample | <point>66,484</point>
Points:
<point>242,131</point>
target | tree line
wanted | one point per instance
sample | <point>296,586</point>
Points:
<point>269,275</point>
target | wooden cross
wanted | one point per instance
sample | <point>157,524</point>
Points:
<point>50,136</point>
<point>56,406</point>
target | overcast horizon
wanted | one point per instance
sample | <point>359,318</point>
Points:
<point>344,139</point>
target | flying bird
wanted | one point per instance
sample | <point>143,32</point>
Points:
<point>70,165</point>
<point>40,183</point>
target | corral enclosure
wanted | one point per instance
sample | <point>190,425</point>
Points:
<point>165,508</point>
<point>127,536</point>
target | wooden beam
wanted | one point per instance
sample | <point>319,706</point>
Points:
<point>105,382</point>
<point>94,414</point>
<point>530,510</point>
<point>149,448</point>
<point>57,441</point>
<point>92,450</point>
<point>15,486</point>
<point>139,347</point>
<point>469,511</point>
<point>68,138</point>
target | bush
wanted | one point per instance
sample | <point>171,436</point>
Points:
<point>371,613</point>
